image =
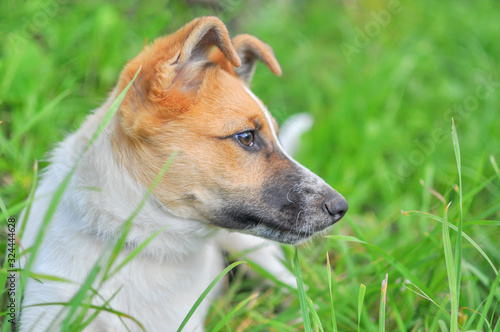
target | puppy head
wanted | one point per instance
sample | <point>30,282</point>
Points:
<point>192,97</point>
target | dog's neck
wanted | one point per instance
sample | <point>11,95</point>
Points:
<point>104,196</point>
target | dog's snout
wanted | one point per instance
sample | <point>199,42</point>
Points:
<point>336,206</point>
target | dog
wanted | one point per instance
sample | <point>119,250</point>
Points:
<point>228,185</point>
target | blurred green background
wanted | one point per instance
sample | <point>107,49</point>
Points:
<point>382,79</point>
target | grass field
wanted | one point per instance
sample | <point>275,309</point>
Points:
<point>383,80</point>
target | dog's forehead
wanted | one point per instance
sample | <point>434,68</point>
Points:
<point>227,104</point>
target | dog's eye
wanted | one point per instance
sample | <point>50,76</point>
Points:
<point>245,138</point>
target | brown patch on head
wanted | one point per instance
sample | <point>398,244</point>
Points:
<point>172,69</point>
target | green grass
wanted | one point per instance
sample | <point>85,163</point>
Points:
<point>383,112</point>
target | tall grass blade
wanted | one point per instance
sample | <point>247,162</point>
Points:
<point>330,288</point>
<point>390,259</point>
<point>437,317</point>
<point>458,245</point>
<point>91,306</point>
<point>230,315</point>
<point>39,116</point>
<point>77,300</point>
<point>383,302</point>
<point>453,227</point>
<point>302,293</point>
<point>489,301</point>
<point>31,197</point>
<point>483,222</point>
<point>137,250</point>
<point>318,326</point>
<point>421,293</point>
<point>205,293</point>
<point>497,326</point>
<point>128,223</point>
<point>4,210</point>
<point>450,269</point>
<point>495,165</point>
<point>443,326</point>
<point>361,298</point>
<point>85,320</point>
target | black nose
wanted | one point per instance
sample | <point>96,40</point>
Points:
<point>336,207</point>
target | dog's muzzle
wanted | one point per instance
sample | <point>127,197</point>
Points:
<point>291,207</point>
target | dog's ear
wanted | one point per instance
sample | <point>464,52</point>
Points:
<point>202,34</point>
<point>172,70</point>
<point>250,49</point>
<point>192,45</point>
<point>180,57</point>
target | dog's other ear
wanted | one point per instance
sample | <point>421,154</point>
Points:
<point>250,49</point>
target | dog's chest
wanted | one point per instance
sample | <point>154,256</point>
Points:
<point>163,293</point>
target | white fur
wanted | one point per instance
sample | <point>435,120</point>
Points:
<point>161,284</point>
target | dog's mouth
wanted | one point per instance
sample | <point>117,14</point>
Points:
<point>287,225</point>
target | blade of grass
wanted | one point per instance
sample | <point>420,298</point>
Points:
<point>332,306</point>
<point>137,250</point>
<point>115,312</point>
<point>437,317</point>
<point>443,326</point>
<point>389,258</point>
<point>315,318</point>
<point>301,291</point>
<point>470,320</point>
<point>383,298</point>
<point>489,301</point>
<point>85,320</point>
<point>262,271</point>
<point>128,223</point>
<point>361,298</point>
<point>31,197</point>
<point>421,293</point>
<point>487,212</point>
<point>453,227</point>
<point>4,210</point>
<point>237,308</point>
<point>458,245</point>
<point>495,165</point>
<point>399,320</point>
<point>76,302</point>
<point>450,269</point>
<point>483,222</point>
<point>40,115</point>
<point>497,326</point>
<point>205,293</point>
